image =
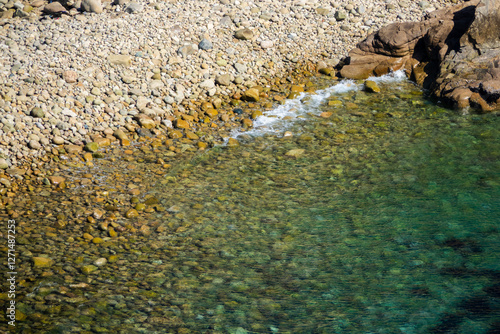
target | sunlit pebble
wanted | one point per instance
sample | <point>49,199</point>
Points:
<point>100,262</point>
<point>288,134</point>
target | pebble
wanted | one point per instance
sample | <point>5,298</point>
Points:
<point>133,8</point>
<point>132,213</point>
<point>53,8</point>
<point>371,86</point>
<point>295,153</point>
<point>91,147</point>
<point>100,262</point>
<point>37,112</point>
<point>34,144</point>
<point>93,6</point>
<point>3,164</point>
<point>205,44</point>
<point>251,94</point>
<point>244,34</point>
<point>42,262</point>
<point>223,79</point>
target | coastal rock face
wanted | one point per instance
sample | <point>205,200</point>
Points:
<point>454,52</point>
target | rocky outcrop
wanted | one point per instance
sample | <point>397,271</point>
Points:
<point>454,52</point>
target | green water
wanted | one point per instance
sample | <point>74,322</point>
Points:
<point>387,222</point>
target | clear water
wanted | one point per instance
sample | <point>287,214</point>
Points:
<point>386,222</point>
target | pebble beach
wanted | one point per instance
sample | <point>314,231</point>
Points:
<point>73,78</point>
<point>201,167</point>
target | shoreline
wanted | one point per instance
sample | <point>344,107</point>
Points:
<point>67,80</point>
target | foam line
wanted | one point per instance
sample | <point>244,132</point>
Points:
<point>273,121</point>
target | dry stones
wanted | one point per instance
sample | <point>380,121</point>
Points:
<point>205,44</point>
<point>123,60</point>
<point>244,34</point>
<point>34,144</point>
<point>223,80</point>
<point>91,147</point>
<point>54,8</point>
<point>127,57</point>
<point>70,76</point>
<point>146,122</point>
<point>133,8</point>
<point>295,153</point>
<point>58,140</point>
<point>340,15</point>
<point>266,44</point>
<point>37,112</point>
<point>187,50</point>
<point>93,6</point>
<point>4,164</point>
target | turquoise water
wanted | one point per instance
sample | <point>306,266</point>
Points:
<point>382,218</point>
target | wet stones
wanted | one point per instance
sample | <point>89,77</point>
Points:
<point>232,142</point>
<point>371,86</point>
<point>251,95</point>
<point>88,269</point>
<point>34,145</point>
<point>42,262</point>
<point>54,8</point>
<point>132,213</point>
<point>181,124</point>
<point>93,6</point>
<point>133,8</point>
<point>295,153</point>
<point>100,262</point>
<point>91,147</point>
<point>223,79</point>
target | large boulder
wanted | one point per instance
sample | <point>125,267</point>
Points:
<point>454,52</point>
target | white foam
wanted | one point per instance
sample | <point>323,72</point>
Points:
<point>273,121</point>
<point>397,76</point>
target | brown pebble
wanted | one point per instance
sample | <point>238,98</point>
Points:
<point>247,123</point>
<point>191,135</point>
<point>181,124</point>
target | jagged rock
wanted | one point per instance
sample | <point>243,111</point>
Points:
<point>452,52</point>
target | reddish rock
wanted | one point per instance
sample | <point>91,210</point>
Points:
<point>70,76</point>
<point>452,52</point>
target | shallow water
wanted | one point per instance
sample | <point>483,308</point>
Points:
<point>386,222</point>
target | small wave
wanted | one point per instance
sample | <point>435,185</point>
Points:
<point>282,117</point>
